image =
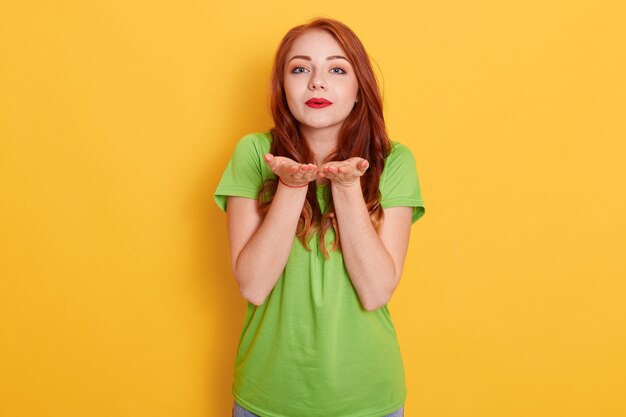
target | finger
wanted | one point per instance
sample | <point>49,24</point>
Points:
<point>272,162</point>
<point>309,171</point>
<point>363,165</point>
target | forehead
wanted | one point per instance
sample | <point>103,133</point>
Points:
<point>315,43</point>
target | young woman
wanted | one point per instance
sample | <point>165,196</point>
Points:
<point>319,212</point>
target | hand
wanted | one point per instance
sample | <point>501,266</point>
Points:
<point>291,172</point>
<point>345,173</point>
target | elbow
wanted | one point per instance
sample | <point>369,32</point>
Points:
<point>379,300</point>
<point>370,307</point>
<point>375,304</point>
<point>251,296</point>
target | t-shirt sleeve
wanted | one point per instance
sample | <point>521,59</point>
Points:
<point>399,182</point>
<point>243,175</point>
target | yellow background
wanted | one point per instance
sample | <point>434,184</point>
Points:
<point>117,119</point>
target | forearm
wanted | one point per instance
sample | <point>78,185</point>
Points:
<point>264,257</point>
<point>369,265</point>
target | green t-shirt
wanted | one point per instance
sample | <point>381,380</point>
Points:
<point>311,349</point>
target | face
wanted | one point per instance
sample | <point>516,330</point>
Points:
<point>320,84</point>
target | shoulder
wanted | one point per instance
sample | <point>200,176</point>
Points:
<point>399,159</point>
<point>249,156</point>
<point>398,151</point>
<point>399,182</point>
<point>258,142</point>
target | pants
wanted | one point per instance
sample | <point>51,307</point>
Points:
<point>239,411</point>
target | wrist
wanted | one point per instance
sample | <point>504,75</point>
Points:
<point>292,186</point>
<point>356,185</point>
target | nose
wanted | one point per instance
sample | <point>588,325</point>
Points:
<point>317,82</point>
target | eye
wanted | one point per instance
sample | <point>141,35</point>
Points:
<point>337,70</point>
<point>298,70</point>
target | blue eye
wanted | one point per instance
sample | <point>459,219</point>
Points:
<point>298,70</point>
<point>340,70</point>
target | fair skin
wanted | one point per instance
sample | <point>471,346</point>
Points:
<point>260,246</point>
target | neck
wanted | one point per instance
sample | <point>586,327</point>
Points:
<point>321,141</point>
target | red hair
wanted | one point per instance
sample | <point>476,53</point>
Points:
<point>362,134</point>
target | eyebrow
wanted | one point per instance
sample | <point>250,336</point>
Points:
<point>308,58</point>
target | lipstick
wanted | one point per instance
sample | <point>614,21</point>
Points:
<point>318,103</point>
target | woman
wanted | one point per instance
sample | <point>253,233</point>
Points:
<point>319,213</point>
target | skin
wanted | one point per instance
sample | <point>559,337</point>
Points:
<point>260,246</point>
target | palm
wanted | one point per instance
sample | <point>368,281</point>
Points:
<point>345,172</point>
<point>291,172</point>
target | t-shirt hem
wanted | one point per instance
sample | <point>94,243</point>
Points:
<point>252,408</point>
<point>263,413</point>
<point>223,192</point>
<point>396,202</point>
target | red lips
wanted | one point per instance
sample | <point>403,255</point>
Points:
<point>318,103</point>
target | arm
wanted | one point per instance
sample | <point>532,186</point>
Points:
<point>260,247</point>
<point>373,260</point>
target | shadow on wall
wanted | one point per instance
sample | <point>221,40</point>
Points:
<point>223,307</point>
<point>248,111</point>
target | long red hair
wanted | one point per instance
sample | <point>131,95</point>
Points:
<point>362,134</point>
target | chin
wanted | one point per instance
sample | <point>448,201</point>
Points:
<point>320,124</point>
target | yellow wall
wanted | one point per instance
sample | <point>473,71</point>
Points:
<point>117,119</point>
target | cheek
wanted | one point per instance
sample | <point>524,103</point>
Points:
<point>293,105</point>
<point>355,89</point>
<point>350,91</point>
<point>293,102</point>
<point>292,92</point>
<point>289,95</point>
